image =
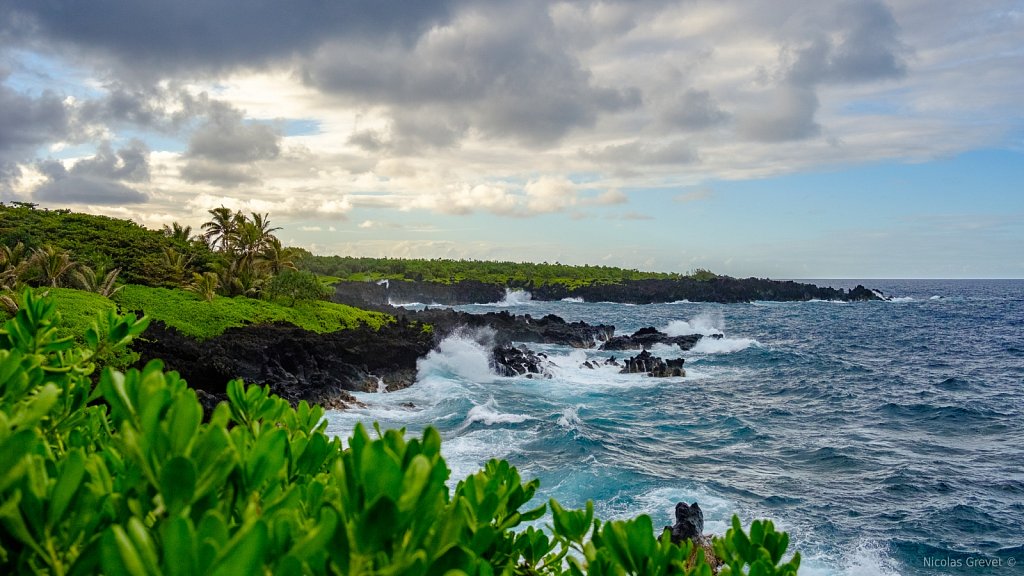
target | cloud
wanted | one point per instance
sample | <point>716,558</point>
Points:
<point>27,123</point>
<point>143,40</point>
<point>225,149</point>
<point>501,68</point>
<point>99,179</point>
<point>693,110</point>
<point>785,113</point>
<point>638,153</point>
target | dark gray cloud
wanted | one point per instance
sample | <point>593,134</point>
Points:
<point>27,123</point>
<point>158,39</point>
<point>501,68</point>
<point>99,179</point>
<point>864,46</point>
<point>854,42</point>
<point>226,137</point>
<point>224,150</point>
<point>161,108</point>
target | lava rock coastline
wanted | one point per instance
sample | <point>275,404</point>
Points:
<point>723,289</point>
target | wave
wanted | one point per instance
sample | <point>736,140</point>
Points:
<point>900,299</point>
<point>512,298</point>
<point>705,323</point>
<point>463,354</point>
<point>575,300</point>
<point>488,414</point>
<point>723,345</point>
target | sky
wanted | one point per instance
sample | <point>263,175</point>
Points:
<point>769,138</point>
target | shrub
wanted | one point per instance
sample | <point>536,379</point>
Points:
<point>125,478</point>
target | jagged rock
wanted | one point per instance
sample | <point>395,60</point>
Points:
<point>611,362</point>
<point>511,361</point>
<point>508,328</point>
<point>297,364</point>
<point>645,338</point>
<point>587,365</point>
<point>647,363</point>
<point>689,522</point>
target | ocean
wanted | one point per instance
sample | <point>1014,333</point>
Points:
<point>885,437</point>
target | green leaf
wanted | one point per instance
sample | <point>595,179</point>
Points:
<point>71,473</point>
<point>179,547</point>
<point>244,553</point>
<point>178,483</point>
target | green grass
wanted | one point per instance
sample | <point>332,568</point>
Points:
<point>202,320</point>
<point>78,309</point>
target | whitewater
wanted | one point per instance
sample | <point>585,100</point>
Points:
<point>885,437</point>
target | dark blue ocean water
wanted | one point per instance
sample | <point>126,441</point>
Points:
<point>886,437</point>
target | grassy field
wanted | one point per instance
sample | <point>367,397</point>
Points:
<point>202,320</point>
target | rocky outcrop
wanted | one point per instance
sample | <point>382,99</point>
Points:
<point>297,364</point>
<point>514,361</point>
<point>722,289</point>
<point>645,338</point>
<point>647,363</point>
<point>689,522</point>
<point>510,328</point>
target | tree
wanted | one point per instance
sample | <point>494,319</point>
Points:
<point>99,281</point>
<point>178,233</point>
<point>276,257</point>
<point>221,228</point>
<point>52,265</point>
<point>296,285</point>
<point>204,284</point>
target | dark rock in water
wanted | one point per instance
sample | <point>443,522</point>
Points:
<point>511,361</point>
<point>611,362</point>
<point>647,363</point>
<point>645,338</point>
<point>508,328</point>
<point>689,523</point>
<point>296,364</point>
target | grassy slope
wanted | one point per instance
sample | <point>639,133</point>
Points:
<point>200,319</point>
<point>78,309</point>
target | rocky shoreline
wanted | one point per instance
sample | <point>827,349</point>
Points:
<point>723,290</point>
<point>298,364</point>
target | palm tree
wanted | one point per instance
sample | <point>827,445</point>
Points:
<point>176,262</point>
<point>99,281</point>
<point>222,227</point>
<point>14,263</point>
<point>178,233</point>
<point>277,257</point>
<point>204,284</point>
<point>52,265</point>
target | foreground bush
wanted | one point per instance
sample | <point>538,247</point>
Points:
<point>124,478</point>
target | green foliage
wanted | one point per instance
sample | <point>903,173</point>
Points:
<point>101,242</point>
<point>200,319</point>
<point>514,274</point>
<point>295,285</point>
<point>762,550</point>
<point>125,478</point>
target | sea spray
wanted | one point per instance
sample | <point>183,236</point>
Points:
<point>465,354</point>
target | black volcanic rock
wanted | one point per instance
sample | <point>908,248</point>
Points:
<point>514,361</point>
<point>722,289</point>
<point>689,523</point>
<point>297,364</point>
<point>510,328</point>
<point>645,338</point>
<point>647,363</point>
